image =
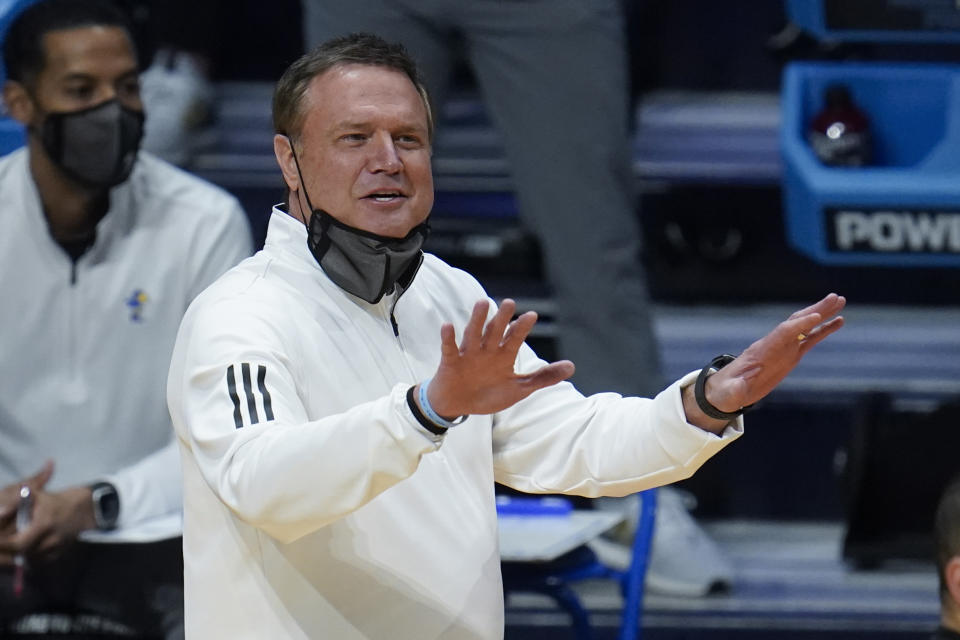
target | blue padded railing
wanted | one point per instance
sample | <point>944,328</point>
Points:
<point>11,132</point>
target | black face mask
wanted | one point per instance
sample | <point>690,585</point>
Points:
<point>97,146</point>
<point>359,262</point>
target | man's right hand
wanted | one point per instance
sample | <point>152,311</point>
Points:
<point>10,496</point>
<point>56,518</point>
<point>477,376</point>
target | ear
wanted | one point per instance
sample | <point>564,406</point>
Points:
<point>283,150</point>
<point>18,102</point>
<point>951,576</point>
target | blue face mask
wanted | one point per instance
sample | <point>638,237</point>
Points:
<point>364,264</point>
<point>96,147</point>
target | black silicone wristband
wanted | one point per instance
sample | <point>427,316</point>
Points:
<point>424,421</point>
<point>699,390</point>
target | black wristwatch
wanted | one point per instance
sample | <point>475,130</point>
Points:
<point>700,390</point>
<point>106,505</point>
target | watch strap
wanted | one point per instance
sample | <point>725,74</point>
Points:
<point>699,389</point>
<point>106,505</point>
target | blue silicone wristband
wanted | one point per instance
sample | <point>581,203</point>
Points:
<point>428,411</point>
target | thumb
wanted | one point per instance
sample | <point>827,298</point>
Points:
<point>42,477</point>
<point>548,375</point>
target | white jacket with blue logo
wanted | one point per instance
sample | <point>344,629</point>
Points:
<point>86,346</point>
<point>316,506</point>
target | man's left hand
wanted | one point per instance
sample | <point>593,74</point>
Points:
<point>766,362</point>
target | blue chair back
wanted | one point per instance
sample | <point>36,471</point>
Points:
<point>581,564</point>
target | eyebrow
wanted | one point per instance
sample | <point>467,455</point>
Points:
<point>82,75</point>
<point>346,125</point>
<point>350,124</point>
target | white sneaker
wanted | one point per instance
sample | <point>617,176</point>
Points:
<point>684,560</point>
<point>178,101</point>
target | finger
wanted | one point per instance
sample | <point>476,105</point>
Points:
<point>473,332</point>
<point>448,342</point>
<point>19,542</point>
<point>42,477</point>
<point>28,539</point>
<point>826,307</point>
<point>518,331</point>
<point>840,304</point>
<point>547,375</point>
<point>49,545</point>
<point>797,329</point>
<point>820,333</point>
<point>493,333</point>
<point>813,308</point>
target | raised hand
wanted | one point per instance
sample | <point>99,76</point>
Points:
<point>766,362</point>
<point>478,377</point>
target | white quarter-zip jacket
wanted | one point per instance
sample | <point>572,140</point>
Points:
<point>86,345</point>
<point>316,506</point>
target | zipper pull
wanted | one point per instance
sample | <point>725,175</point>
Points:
<point>396,327</point>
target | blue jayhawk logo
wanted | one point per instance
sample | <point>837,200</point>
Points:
<point>136,301</point>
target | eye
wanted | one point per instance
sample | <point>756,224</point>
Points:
<point>129,89</point>
<point>354,138</point>
<point>79,91</point>
<point>408,141</point>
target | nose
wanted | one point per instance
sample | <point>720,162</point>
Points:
<point>105,93</point>
<point>384,156</point>
<point>108,92</point>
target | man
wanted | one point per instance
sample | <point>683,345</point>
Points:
<point>103,249</point>
<point>553,75</point>
<point>344,403</point>
<point>947,538</point>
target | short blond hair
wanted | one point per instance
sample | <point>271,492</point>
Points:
<point>356,48</point>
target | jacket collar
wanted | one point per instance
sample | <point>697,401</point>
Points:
<point>287,235</point>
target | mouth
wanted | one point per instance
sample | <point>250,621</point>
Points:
<point>384,196</point>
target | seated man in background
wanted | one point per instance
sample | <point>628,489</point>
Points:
<point>103,249</point>
<point>344,402</point>
<point>946,532</point>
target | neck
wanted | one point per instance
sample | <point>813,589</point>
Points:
<point>296,210</point>
<point>72,210</point>
<point>950,618</point>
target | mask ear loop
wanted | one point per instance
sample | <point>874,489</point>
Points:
<point>318,217</point>
<point>303,186</point>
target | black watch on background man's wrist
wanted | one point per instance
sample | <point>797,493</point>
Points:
<point>106,505</point>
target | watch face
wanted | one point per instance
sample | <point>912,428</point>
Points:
<point>106,505</point>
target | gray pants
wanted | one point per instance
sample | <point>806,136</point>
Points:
<point>554,79</point>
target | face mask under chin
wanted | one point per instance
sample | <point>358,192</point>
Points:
<point>97,147</point>
<point>361,263</point>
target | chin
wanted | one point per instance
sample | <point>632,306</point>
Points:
<point>395,229</point>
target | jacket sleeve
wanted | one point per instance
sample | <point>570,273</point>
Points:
<point>235,398</point>
<point>150,488</point>
<point>558,441</point>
